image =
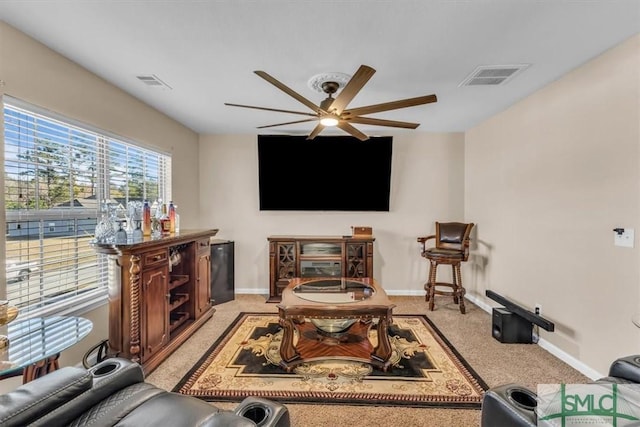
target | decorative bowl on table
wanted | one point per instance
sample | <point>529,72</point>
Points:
<point>333,326</point>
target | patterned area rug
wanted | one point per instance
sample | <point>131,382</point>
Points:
<point>426,370</point>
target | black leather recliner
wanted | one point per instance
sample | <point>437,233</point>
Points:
<point>512,405</point>
<point>113,393</point>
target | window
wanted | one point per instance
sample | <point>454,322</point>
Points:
<point>56,173</point>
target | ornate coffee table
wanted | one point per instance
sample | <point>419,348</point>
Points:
<point>326,318</point>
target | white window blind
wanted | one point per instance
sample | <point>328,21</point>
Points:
<point>56,173</point>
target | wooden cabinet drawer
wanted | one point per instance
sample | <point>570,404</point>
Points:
<point>154,258</point>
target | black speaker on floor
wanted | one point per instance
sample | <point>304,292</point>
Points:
<point>510,328</point>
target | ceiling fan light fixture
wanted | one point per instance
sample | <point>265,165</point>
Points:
<point>329,121</point>
<point>333,112</point>
<point>326,103</point>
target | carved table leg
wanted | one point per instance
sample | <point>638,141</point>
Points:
<point>288,352</point>
<point>382,352</point>
<point>40,368</point>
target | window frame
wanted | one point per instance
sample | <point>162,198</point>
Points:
<point>106,145</point>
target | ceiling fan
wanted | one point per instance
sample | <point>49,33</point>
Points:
<point>334,112</point>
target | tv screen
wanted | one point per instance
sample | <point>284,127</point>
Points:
<point>327,173</point>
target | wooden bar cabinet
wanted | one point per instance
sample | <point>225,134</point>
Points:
<point>159,294</point>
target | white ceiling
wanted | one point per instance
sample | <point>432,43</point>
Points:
<point>207,51</point>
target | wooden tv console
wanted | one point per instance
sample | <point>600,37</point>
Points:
<point>317,256</point>
<point>156,304</point>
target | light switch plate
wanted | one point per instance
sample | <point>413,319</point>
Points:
<point>625,239</point>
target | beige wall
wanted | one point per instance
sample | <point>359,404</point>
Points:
<point>36,74</point>
<point>547,181</point>
<point>427,185</point>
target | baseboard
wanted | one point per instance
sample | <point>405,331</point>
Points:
<point>555,351</point>
<point>479,302</point>
<point>570,360</point>
<point>251,291</point>
<point>410,293</point>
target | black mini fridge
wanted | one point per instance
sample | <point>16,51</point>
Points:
<point>222,286</point>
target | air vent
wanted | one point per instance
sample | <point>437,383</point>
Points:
<point>153,81</point>
<point>492,75</point>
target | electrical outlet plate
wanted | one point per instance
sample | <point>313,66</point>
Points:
<point>624,239</point>
<point>538,309</point>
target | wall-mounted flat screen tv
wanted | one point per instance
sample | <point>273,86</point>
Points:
<point>327,173</point>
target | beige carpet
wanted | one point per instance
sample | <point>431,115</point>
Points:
<point>470,334</point>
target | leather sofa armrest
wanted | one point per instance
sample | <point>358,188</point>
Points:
<point>509,405</point>
<point>627,368</point>
<point>177,410</point>
<point>263,412</point>
<point>109,377</point>
<point>30,401</point>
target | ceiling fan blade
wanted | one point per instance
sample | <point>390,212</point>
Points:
<point>270,109</point>
<point>382,122</point>
<point>393,105</point>
<point>351,89</point>
<point>289,91</point>
<point>287,123</point>
<point>316,130</point>
<point>351,130</point>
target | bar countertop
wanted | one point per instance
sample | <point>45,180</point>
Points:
<point>149,242</point>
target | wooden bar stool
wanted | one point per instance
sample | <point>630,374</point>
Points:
<point>451,248</point>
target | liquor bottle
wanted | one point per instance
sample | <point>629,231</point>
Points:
<point>121,234</point>
<point>172,217</point>
<point>156,214</point>
<point>165,223</point>
<point>146,219</point>
<point>155,209</point>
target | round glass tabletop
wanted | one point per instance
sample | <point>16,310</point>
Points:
<point>39,338</point>
<point>333,291</point>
